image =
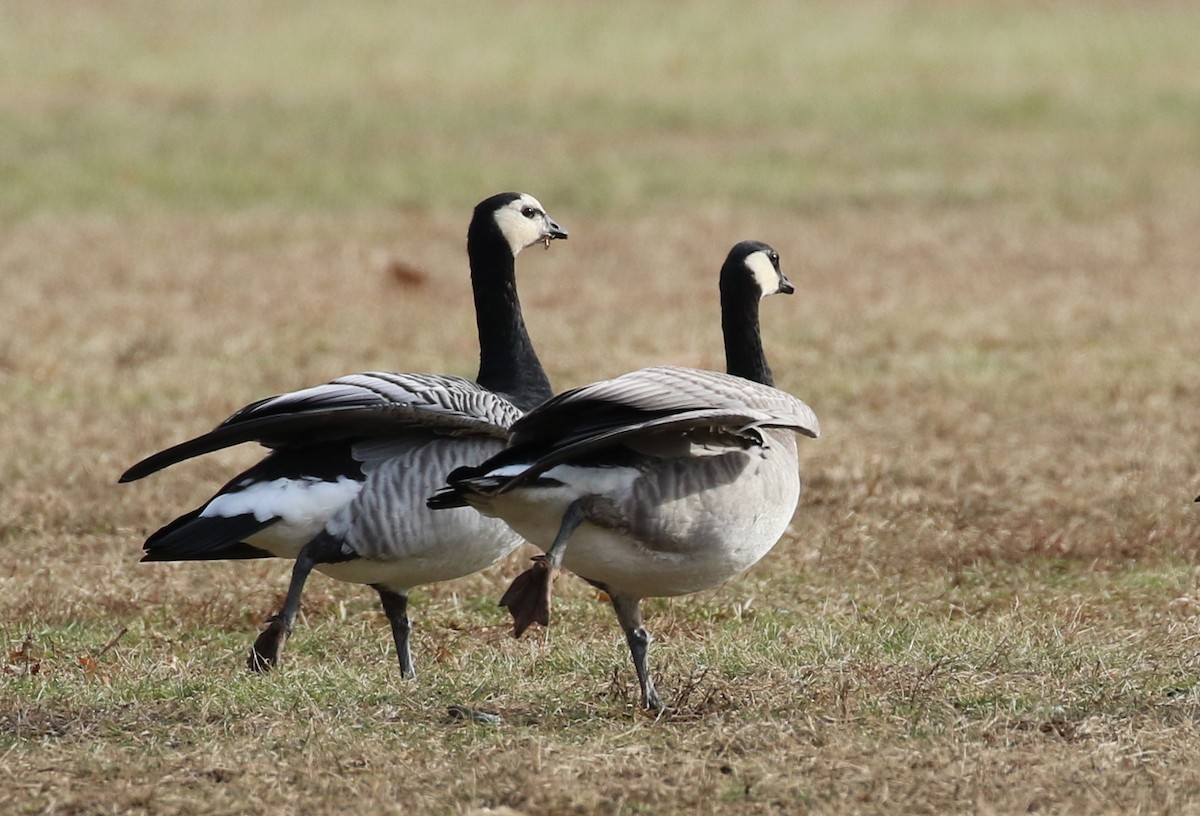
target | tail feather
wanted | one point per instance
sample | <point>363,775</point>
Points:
<point>456,492</point>
<point>460,482</point>
<point>446,499</point>
<point>193,537</point>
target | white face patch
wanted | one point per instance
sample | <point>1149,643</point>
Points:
<point>517,227</point>
<point>764,272</point>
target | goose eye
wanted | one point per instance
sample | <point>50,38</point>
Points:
<point>528,212</point>
<point>774,257</point>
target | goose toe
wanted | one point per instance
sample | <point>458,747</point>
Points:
<point>528,596</point>
<point>268,648</point>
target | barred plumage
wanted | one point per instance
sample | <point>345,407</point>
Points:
<point>352,460</point>
<point>663,481</point>
<point>354,406</point>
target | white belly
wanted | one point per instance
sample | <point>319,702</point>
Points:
<point>733,543</point>
<point>671,545</point>
<point>456,547</point>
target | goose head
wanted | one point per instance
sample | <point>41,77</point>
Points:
<point>521,220</point>
<point>755,265</point>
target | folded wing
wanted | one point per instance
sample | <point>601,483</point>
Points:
<point>372,404</point>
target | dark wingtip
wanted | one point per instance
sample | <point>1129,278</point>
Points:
<point>446,499</point>
<point>156,557</point>
<point>132,475</point>
<point>152,464</point>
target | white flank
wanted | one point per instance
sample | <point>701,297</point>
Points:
<point>507,471</point>
<point>295,501</point>
<point>594,481</point>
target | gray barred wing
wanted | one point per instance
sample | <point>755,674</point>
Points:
<point>356,406</point>
<point>651,396</point>
<point>665,400</point>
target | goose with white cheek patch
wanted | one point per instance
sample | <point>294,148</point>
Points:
<point>343,489</point>
<point>663,481</point>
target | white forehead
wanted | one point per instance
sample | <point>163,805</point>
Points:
<point>764,272</point>
<point>526,200</point>
<point>518,230</point>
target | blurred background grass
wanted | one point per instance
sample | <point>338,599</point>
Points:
<point>989,209</point>
<point>1044,109</point>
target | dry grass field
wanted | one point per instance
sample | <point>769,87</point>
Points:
<point>989,601</point>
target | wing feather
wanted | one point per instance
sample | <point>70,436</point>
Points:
<point>659,400</point>
<point>662,391</point>
<point>351,407</point>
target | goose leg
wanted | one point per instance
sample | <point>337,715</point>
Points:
<point>395,606</point>
<point>268,647</point>
<point>629,614</point>
<point>528,596</point>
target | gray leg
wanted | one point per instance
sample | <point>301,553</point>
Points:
<point>629,613</point>
<point>571,519</point>
<point>268,648</point>
<point>395,606</point>
<point>528,596</point>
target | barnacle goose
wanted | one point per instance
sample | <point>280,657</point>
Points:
<point>352,460</point>
<point>662,481</point>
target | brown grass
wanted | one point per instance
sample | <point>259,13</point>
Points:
<point>988,600</point>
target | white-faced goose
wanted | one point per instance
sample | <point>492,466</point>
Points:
<point>352,461</point>
<point>663,481</point>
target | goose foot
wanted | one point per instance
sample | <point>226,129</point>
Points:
<point>268,647</point>
<point>528,596</point>
<point>629,614</point>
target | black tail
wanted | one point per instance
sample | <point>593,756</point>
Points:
<point>453,494</point>
<point>446,499</point>
<point>194,538</point>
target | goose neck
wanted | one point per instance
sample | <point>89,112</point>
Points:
<point>508,364</point>
<point>744,356</point>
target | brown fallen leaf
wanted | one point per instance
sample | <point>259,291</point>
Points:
<point>406,274</point>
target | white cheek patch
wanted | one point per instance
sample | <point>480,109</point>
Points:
<point>518,230</point>
<point>764,272</point>
<point>292,500</point>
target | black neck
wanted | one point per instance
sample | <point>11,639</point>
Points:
<point>508,365</point>
<point>743,342</point>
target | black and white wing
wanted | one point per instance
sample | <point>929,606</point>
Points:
<point>659,400</point>
<point>357,406</point>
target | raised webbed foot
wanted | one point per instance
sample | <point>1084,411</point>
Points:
<point>528,596</point>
